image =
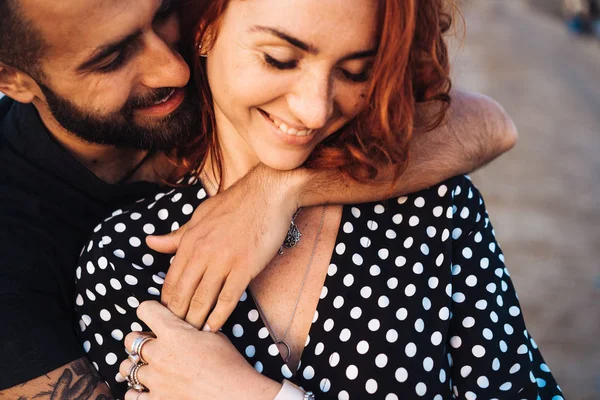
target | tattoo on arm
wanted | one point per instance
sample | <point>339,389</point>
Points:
<point>76,381</point>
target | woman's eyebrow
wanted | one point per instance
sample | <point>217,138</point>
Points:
<point>287,37</point>
<point>305,46</point>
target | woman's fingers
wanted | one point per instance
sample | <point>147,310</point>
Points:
<point>135,395</point>
<point>205,297</point>
<point>228,299</point>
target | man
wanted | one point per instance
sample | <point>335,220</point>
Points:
<point>97,84</point>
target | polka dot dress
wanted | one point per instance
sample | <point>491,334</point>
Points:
<point>417,302</point>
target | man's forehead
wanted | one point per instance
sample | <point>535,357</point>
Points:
<point>78,26</point>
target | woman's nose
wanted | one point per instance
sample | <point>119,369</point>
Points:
<point>312,101</point>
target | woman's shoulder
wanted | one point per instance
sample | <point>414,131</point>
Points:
<point>452,198</point>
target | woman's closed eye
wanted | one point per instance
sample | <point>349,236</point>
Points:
<point>281,65</point>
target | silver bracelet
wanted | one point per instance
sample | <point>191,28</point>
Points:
<point>290,391</point>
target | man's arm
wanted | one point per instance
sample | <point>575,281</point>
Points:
<point>76,380</point>
<point>261,204</point>
<point>477,130</point>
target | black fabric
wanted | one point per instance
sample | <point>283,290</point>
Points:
<point>49,203</point>
<point>417,302</point>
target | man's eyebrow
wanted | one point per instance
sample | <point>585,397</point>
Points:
<point>288,38</point>
<point>106,50</point>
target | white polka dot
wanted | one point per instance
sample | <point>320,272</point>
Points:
<point>101,289</point>
<point>115,284</point>
<point>355,313</point>
<point>467,253</point>
<point>334,359</point>
<point>400,261</point>
<point>135,242</point>
<point>338,302</point>
<point>102,262</point>
<point>331,271</point>
<point>148,259</point>
<point>421,389</point>
<point>410,290</point>
<point>433,282</point>
<point>438,211</point>
<point>383,254</point>
<point>117,334</point>
<point>343,395</point>
<point>105,315</point>
<point>119,253</point>
<point>431,231</point>
<point>309,372</point>
<point>487,333</point>
<point>366,292</point>
<point>263,333</point>
<point>357,259</point>
<point>111,359</point>
<point>99,338</point>
<point>365,242</point>
<point>381,360</point>
<point>328,325</point>
<point>390,234</point>
<point>428,364</point>
<point>408,243</point>
<point>401,314</point>
<point>362,347</point>
<point>345,335</point>
<point>237,330</point>
<point>319,348</point>
<point>351,372</point>
<point>149,229</point>
<point>478,351</point>
<point>391,336</point>
<point>410,350</point>
<point>120,227</point>
<point>514,311</point>
<point>258,367</point>
<point>506,386</point>
<point>468,322</point>
<point>325,385</point>
<point>401,375</point>
<point>383,301</point>
<point>187,209</point>
<point>273,350</point>
<point>131,280</point>
<point>372,225</point>
<point>419,202</point>
<point>379,209</point>
<point>436,338</point>
<point>348,280</point>
<point>466,371</point>
<point>163,214</point>
<point>413,221</point>
<point>471,281</point>
<point>483,382</point>
<point>397,219</point>
<point>419,325</point>
<point>250,351</point>
<point>371,386</point>
<point>348,227</point>
<point>90,268</point>
<point>136,327</point>
<point>455,341</point>
<point>374,325</point>
<point>418,268</point>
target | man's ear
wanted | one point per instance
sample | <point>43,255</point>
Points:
<point>16,84</point>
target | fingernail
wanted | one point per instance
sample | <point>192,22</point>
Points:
<point>206,328</point>
<point>119,378</point>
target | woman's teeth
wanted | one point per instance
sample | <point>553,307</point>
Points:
<point>287,130</point>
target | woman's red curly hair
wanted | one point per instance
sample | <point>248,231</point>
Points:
<point>411,68</point>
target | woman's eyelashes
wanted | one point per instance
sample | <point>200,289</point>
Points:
<point>342,73</point>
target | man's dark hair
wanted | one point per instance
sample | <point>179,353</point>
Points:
<point>21,44</point>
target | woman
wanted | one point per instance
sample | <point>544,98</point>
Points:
<point>403,299</point>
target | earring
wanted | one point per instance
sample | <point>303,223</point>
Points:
<point>200,51</point>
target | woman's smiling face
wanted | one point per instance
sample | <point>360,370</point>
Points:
<point>285,75</point>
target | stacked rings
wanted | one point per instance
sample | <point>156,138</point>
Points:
<point>135,356</point>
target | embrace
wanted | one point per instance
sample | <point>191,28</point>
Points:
<point>249,199</point>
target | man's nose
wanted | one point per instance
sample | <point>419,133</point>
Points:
<point>312,100</point>
<point>162,65</point>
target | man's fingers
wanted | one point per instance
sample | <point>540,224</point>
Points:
<point>168,243</point>
<point>204,298</point>
<point>183,283</point>
<point>228,299</point>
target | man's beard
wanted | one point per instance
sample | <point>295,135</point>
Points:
<point>119,128</point>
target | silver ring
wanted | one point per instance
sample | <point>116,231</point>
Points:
<point>133,379</point>
<point>136,349</point>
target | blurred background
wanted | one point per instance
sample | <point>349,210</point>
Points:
<point>544,196</point>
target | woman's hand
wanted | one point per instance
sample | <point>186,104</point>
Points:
<point>184,363</point>
<point>229,240</point>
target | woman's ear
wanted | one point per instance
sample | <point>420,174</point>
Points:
<point>205,39</point>
<point>16,84</point>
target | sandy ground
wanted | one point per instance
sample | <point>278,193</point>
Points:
<point>544,196</point>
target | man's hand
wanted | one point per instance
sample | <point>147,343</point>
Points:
<point>228,242</point>
<point>186,364</point>
<point>232,237</point>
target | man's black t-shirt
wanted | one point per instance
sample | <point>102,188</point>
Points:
<point>49,204</point>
